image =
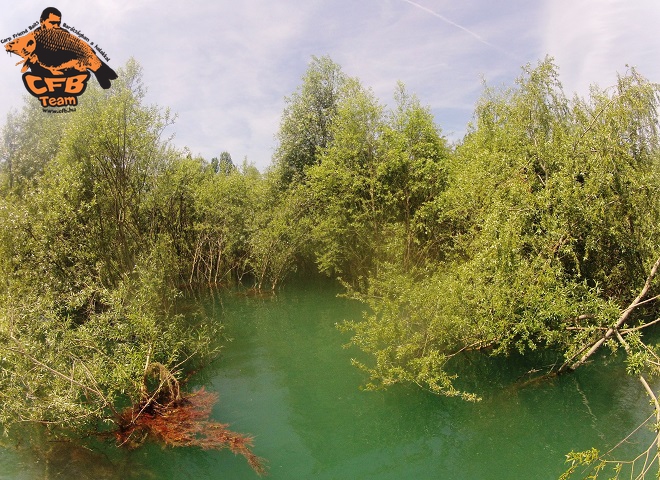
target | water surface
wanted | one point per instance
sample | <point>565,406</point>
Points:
<point>285,379</point>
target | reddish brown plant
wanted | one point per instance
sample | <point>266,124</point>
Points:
<point>184,422</point>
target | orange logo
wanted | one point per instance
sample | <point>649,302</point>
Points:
<point>59,61</point>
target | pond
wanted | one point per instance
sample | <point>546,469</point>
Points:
<point>285,379</point>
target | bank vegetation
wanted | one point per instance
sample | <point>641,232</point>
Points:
<point>538,230</point>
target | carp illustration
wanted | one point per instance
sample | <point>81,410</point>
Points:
<point>57,51</point>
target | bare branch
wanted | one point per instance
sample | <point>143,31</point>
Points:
<point>634,329</point>
<point>22,351</point>
<point>567,366</point>
<point>650,393</point>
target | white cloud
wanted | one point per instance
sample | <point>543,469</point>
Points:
<point>225,66</point>
<point>592,41</point>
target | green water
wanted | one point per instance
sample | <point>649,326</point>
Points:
<point>286,380</point>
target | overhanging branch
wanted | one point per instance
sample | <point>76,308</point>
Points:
<point>569,365</point>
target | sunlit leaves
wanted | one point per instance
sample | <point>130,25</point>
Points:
<point>87,298</point>
<point>544,230</point>
<point>306,125</point>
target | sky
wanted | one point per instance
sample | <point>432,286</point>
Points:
<point>226,67</point>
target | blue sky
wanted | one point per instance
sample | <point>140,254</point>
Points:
<point>226,66</point>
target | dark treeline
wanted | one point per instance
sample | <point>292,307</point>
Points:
<point>539,229</point>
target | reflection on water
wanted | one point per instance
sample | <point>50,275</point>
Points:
<point>47,458</point>
<point>285,379</point>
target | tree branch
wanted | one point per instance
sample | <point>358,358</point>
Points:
<point>651,394</point>
<point>567,366</point>
<point>634,329</point>
<point>22,351</point>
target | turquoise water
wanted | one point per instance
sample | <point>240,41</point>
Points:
<point>286,380</point>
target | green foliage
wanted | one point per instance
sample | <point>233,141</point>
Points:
<point>278,244</point>
<point>545,223</point>
<point>208,216</point>
<point>97,235</point>
<point>88,297</point>
<point>403,331</point>
<point>586,457</point>
<point>345,187</point>
<point>307,119</point>
<point>538,230</point>
<point>371,185</point>
<point>226,206</point>
<point>414,173</point>
<point>223,165</point>
<point>590,464</point>
<point>29,140</point>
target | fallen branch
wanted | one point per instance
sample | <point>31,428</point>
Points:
<point>648,389</point>
<point>634,329</point>
<point>568,366</point>
<point>179,420</point>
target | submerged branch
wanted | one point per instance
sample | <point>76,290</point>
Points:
<point>475,346</point>
<point>186,423</point>
<point>650,393</point>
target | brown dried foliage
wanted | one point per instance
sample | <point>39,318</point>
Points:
<point>184,422</point>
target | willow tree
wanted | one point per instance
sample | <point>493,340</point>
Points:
<point>345,187</point>
<point>29,140</point>
<point>307,119</point>
<point>226,205</point>
<point>368,190</point>
<point>89,309</point>
<point>546,237</point>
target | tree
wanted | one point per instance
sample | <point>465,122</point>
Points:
<point>89,304</point>
<point>279,241</point>
<point>345,187</point>
<point>550,217</point>
<point>225,208</point>
<point>373,182</point>
<point>224,164</point>
<point>414,172</point>
<point>29,141</point>
<point>85,303</point>
<point>306,121</point>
